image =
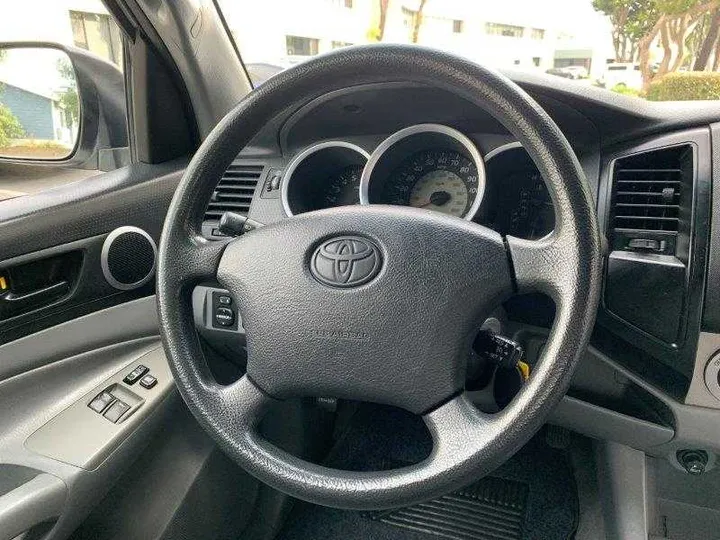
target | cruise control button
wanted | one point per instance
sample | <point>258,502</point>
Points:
<point>102,400</point>
<point>148,381</point>
<point>224,316</point>
<point>225,300</point>
<point>116,410</point>
<point>135,374</point>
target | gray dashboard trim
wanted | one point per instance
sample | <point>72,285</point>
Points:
<point>298,159</point>
<point>502,148</point>
<point>417,129</point>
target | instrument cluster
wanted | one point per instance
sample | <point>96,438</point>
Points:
<point>429,166</point>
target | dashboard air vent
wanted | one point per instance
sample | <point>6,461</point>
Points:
<point>647,199</point>
<point>651,192</point>
<point>235,191</point>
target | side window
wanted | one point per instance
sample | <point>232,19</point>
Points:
<point>62,111</point>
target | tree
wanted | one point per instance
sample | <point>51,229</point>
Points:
<point>631,20</point>
<point>677,19</point>
<point>383,17</point>
<point>68,97</point>
<point>10,127</point>
<point>709,42</point>
<point>377,30</point>
<point>417,21</point>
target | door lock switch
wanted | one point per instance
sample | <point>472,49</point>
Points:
<point>116,410</point>
<point>135,375</point>
<point>101,401</point>
<point>148,381</point>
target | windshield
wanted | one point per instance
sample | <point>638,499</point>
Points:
<point>663,50</point>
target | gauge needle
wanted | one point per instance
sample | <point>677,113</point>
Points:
<point>438,198</point>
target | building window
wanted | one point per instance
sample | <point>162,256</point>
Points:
<point>537,33</point>
<point>457,27</point>
<point>408,16</point>
<point>340,44</point>
<point>97,33</point>
<point>301,46</point>
<point>498,29</point>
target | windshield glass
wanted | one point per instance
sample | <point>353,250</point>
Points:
<point>663,50</point>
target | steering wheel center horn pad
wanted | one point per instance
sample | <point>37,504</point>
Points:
<point>400,335</point>
<point>377,303</point>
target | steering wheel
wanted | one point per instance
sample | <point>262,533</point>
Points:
<point>377,303</point>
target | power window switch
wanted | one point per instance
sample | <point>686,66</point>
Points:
<point>102,400</point>
<point>148,381</point>
<point>135,375</point>
<point>116,410</point>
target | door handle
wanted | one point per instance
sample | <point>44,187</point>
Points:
<point>37,501</point>
<point>46,294</point>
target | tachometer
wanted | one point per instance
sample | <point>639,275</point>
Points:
<point>324,175</point>
<point>343,187</point>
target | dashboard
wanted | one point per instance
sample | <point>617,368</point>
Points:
<point>412,145</point>
<point>430,166</point>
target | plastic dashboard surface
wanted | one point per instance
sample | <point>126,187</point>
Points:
<point>364,119</point>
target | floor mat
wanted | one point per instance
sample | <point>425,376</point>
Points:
<point>531,497</point>
<point>491,509</point>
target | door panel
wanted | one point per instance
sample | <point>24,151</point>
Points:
<point>79,217</point>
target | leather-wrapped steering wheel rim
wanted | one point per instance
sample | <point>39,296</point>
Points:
<point>267,271</point>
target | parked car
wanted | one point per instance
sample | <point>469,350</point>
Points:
<point>627,74</point>
<point>569,72</point>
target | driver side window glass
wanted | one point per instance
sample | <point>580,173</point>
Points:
<point>41,104</point>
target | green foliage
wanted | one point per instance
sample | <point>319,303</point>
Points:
<point>631,20</point>
<point>10,127</point>
<point>685,86</point>
<point>622,88</point>
<point>68,98</point>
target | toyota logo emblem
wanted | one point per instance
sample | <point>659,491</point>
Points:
<point>345,261</point>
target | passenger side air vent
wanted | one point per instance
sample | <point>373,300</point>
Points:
<point>649,193</point>
<point>235,191</point>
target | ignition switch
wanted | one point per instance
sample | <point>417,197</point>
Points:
<point>693,461</point>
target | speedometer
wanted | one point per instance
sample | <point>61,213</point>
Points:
<point>427,166</point>
<point>441,180</point>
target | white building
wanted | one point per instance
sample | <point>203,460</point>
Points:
<point>509,33</point>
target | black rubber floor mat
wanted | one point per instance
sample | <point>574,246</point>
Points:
<point>491,509</point>
<point>539,487</point>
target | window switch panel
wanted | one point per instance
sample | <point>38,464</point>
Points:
<point>101,401</point>
<point>116,410</point>
<point>135,375</point>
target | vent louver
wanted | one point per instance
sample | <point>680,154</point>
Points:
<point>651,200</point>
<point>235,191</point>
<point>647,199</point>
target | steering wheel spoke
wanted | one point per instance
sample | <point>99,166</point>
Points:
<point>538,264</point>
<point>458,428</point>
<point>197,259</point>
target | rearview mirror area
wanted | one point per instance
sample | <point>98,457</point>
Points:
<point>39,104</point>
